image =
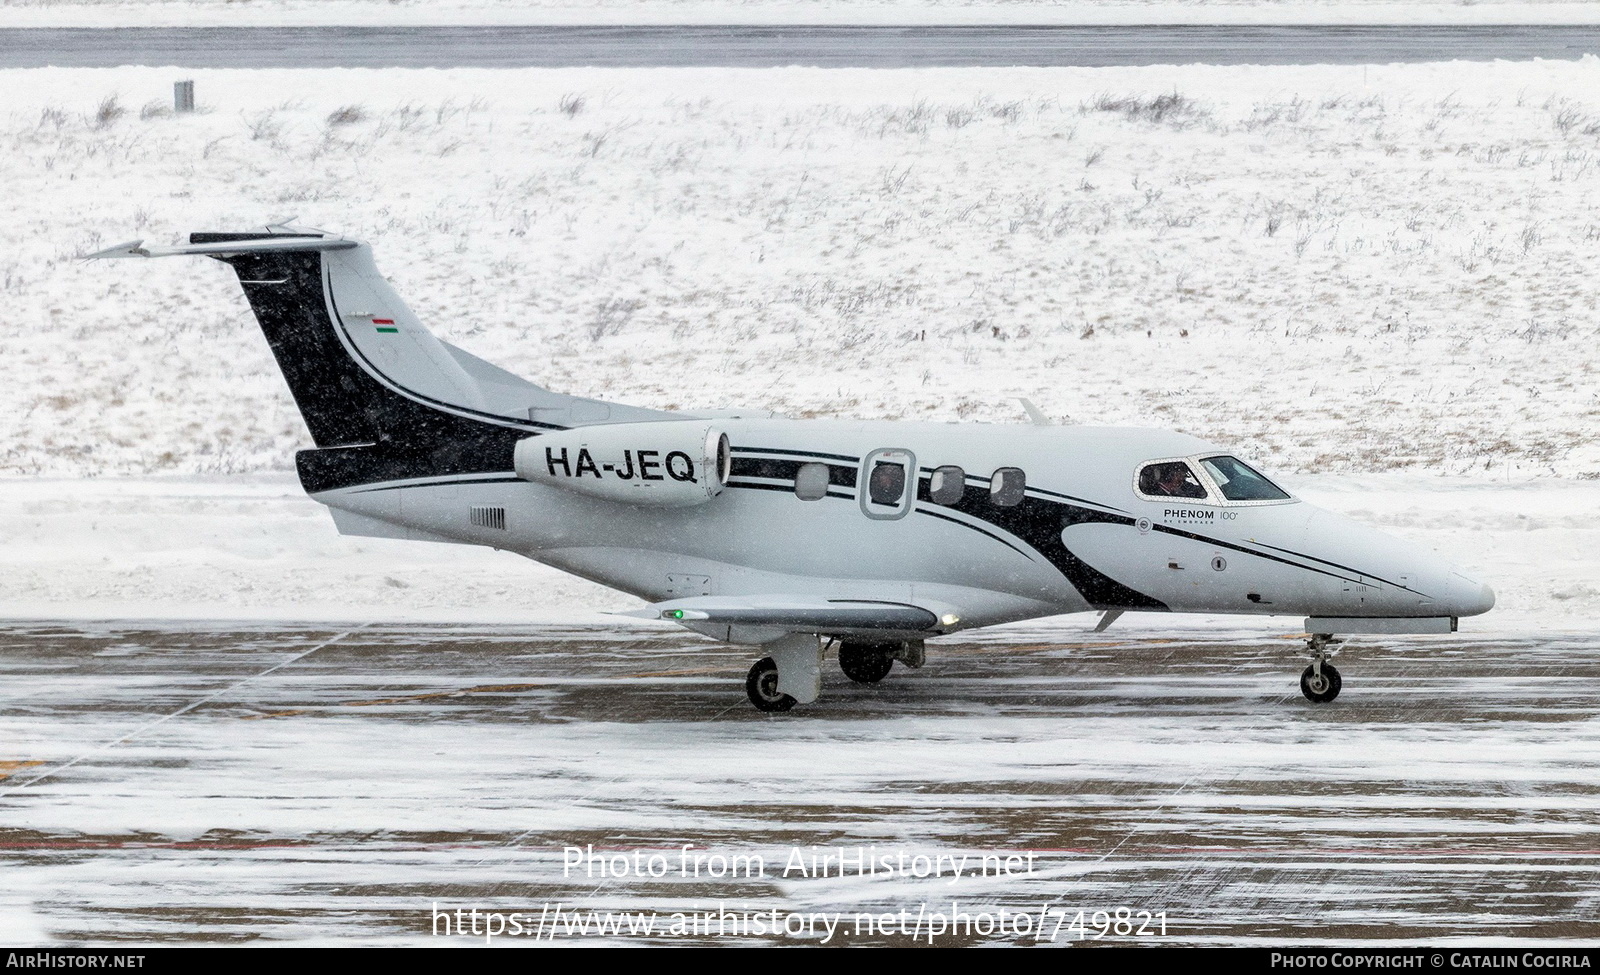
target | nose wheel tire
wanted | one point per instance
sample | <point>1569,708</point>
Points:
<point>865,663</point>
<point>762,687</point>
<point>1321,688</point>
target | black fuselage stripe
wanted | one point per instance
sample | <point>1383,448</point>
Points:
<point>1068,497</point>
<point>965,524</point>
<point>949,517</point>
<point>744,481</point>
<point>753,486</point>
<point>796,453</point>
<point>1336,565</point>
<point>1248,551</point>
<point>512,479</point>
<point>785,488</point>
<point>926,473</point>
<point>442,483</point>
<point>847,497</point>
<point>1274,558</point>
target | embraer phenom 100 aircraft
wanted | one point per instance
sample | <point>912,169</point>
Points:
<point>799,535</point>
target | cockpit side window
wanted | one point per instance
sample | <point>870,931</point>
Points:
<point>1239,482</point>
<point>1170,479</point>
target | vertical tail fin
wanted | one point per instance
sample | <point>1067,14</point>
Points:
<point>361,367</point>
<point>383,398</point>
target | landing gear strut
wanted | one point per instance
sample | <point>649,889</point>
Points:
<point>1321,682</point>
<point>762,686</point>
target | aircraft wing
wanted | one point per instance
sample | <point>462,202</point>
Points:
<point>804,612</point>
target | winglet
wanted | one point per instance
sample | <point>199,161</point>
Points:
<point>1038,418</point>
<point>131,249</point>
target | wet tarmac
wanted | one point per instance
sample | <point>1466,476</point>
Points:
<point>220,783</point>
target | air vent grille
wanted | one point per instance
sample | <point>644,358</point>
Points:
<point>485,517</point>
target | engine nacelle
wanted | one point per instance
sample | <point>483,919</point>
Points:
<point>663,465</point>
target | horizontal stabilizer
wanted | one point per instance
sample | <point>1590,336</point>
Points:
<point>136,248</point>
<point>814,614</point>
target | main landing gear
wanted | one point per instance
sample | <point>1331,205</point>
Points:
<point>792,673</point>
<point>1321,682</point>
<point>762,686</point>
<point>867,663</point>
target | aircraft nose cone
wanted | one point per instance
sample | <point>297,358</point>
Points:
<point>1464,595</point>
<point>1470,597</point>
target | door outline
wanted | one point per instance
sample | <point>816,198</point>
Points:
<point>908,492</point>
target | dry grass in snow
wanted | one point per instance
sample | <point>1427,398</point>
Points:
<point>1336,269</point>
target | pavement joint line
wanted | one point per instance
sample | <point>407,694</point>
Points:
<point>49,773</point>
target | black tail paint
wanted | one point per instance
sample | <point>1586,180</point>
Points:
<point>365,430</point>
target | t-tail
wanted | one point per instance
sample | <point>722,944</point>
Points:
<point>383,398</point>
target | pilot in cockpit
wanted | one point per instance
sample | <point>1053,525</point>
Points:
<point>1173,480</point>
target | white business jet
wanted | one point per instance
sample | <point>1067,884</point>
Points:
<point>799,536</point>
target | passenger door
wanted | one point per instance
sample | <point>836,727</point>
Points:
<point>887,483</point>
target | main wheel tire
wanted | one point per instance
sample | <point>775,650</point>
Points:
<point>1324,689</point>
<point>762,687</point>
<point>866,663</point>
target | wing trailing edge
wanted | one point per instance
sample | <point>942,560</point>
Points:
<point>809,614</point>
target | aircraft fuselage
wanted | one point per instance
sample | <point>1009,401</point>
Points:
<point>1082,537</point>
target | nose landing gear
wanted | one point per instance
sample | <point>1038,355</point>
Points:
<point>1320,682</point>
<point>1320,687</point>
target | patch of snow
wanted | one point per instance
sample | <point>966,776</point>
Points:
<point>252,547</point>
<point>1335,269</point>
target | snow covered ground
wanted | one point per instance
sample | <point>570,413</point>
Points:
<point>138,13</point>
<point>1380,279</point>
<point>251,547</point>
<point>1337,269</point>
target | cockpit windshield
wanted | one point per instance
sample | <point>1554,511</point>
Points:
<point>1237,482</point>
